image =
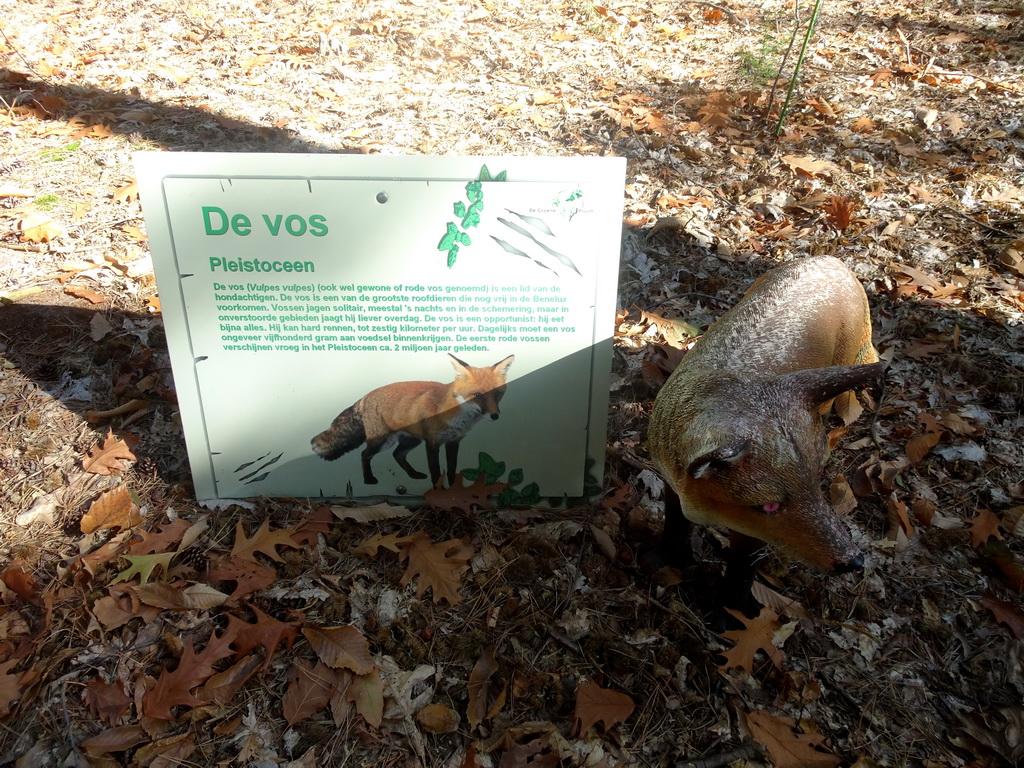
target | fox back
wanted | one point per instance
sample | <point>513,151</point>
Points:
<point>736,430</point>
<point>434,412</point>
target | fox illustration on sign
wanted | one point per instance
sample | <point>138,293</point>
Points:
<point>407,413</point>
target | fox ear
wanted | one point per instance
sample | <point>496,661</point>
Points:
<point>459,366</point>
<point>719,458</point>
<point>502,366</point>
<point>819,385</point>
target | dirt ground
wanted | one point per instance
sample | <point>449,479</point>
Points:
<point>902,153</point>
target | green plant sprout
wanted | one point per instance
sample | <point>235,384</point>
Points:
<point>57,155</point>
<point>46,202</point>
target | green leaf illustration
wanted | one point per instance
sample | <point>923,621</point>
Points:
<point>472,217</point>
<point>515,477</point>
<point>463,238</point>
<point>474,191</point>
<point>449,238</point>
<point>453,254</point>
<point>459,208</point>
<point>485,175</point>
<point>493,469</point>
<point>530,494</point>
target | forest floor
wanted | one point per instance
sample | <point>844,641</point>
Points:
<point>141,628</point>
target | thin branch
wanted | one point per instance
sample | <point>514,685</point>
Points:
<point>735,19</point>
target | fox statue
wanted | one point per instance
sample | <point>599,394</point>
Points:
<point>407,413</point>
<point>736,431</point>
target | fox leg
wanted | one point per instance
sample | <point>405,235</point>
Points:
<point>451,452</point>
<point>405,444</point>
<point>434,461</point>
<point>373,447</point>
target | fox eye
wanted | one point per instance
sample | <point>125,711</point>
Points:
<point>770,507</point>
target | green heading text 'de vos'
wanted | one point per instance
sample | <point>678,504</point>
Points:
<point>217,221</point>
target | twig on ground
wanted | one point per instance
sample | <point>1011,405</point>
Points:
<point>742,752</point>
<point>735,19</point>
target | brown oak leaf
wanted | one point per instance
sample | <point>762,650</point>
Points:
<point>264,541</point>
<point>108,457</point>
<point>787,748</point>
<point>1006,613</point>
<point>317,522</point>
<point>808,165</point>
<point>174,688</point>
<point>127,193</point>
<point>436,567</point>
<point>84,293</point>
<point>248,575</point>
<point>266,632</point>
<point>755,636</point>
<point>163,540</point>
<point>983,526</point>
<point>391,541</point>
<point>463,498</point>
<point>39,228</point>
<point>595,704</point>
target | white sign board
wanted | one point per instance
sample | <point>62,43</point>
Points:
<point>403,292</point>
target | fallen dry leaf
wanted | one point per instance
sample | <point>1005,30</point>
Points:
<point>757,635</point>
<point>310,688</point>
<point>809,165</point>
<point>983,526</point>
<point>367,693</point>
<point>117,739</point>
<point>341,647</point>
<point>108,701</point>
<point>109,457</point>
<point>787,748</point>
<point>595,704</point>
<point>264,541</point>
<point>83,293</point>
<point>479,687</point>
<point>39,228</point>
<point>266,632</point>
<point>1006,613</point>
<point>196,597</point>
<point>113,509</point>
<point>463,498</point>
<point>126,193</point>
<point>435,566</point>
<point>20,581</point>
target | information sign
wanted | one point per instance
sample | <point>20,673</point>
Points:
<point>317,308</point>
